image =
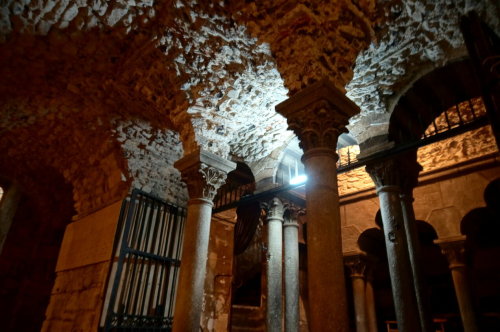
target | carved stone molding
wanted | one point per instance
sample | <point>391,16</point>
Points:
<point>204,173</point>
<point>396,171</point>
<point>318,115</point>
<point>291,216</point>
<point>274,209</point>
<point>454,250</point>
<point>357,262</point>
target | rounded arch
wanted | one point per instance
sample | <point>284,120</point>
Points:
<point>429,96</point>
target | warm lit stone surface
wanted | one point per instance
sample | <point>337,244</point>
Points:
<point>416,37</point>
<point>311,39</point>
<point>219,277</point>
<point>470,145</point>
<point>76,299</point>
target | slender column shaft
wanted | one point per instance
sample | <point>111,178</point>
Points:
<point>274,308</point>
<point>453,249</point>
<point>415,262</point>
<point>371,315</point>
<point>397,255</point>
<point>356,262</point>
<point>327,294</point>
<point>464,300</point>
<point>462,292</point>
<point>291,259</point>
<point>358,288</point>
<point>194,260</point>
<point>203,173</point>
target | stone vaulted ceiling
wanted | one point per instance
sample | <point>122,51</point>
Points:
<point>212,71</point>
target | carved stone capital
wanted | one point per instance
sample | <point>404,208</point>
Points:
<point>204,173</point>
<point>357,262</point>
<point>274,209</point>
<point>454,250</point>
<point>291,216</point>
<point>318,115</point>
<point>396,171</point>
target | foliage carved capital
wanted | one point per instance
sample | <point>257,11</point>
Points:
<point>204,173</point>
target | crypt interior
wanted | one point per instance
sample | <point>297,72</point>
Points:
<point>249,165</point>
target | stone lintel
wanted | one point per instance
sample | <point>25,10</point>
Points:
<point>204,172</point>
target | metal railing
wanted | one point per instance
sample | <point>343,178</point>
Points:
<point>465,116</point>
<point>146,273</point>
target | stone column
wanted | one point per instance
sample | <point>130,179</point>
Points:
<point>318,115</point>
<point>408,182</point>
<point>203,173</point>
<point>274,258</point>
<point>356,262</point>
<point>453,249</point>
<point>386,176</point>
<point>291,259</point>
<point>371,315</point>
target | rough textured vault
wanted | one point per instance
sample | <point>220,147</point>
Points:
<point>210,71</point>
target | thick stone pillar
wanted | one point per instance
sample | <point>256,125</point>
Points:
<point>203,173</point>
<point>291,259</point>
<point>386,176</point>
<point>371,314</point>
<point>274,258</point>
<point>453,249</point>
<point>356,262</point>
<point>318,115</point>
<point>408,182</point>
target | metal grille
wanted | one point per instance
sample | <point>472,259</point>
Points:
<point>145,281</point>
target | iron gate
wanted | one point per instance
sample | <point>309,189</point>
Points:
<point>145,277</point>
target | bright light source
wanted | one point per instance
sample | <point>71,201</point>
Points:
<point>298,179</point>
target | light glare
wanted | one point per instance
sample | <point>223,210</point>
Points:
<point>298,179</point>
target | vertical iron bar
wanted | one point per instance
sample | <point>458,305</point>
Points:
<point>471,105</point>
<point>121,258</point>
<point>459,115</point>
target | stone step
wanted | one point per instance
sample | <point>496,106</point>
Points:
<point>247,319</point>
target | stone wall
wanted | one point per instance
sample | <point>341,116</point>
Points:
<point>82,271</point>
<point>219,278</point>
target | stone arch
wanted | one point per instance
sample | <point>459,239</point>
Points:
<point>429,96</point>
<point>481,226</point>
